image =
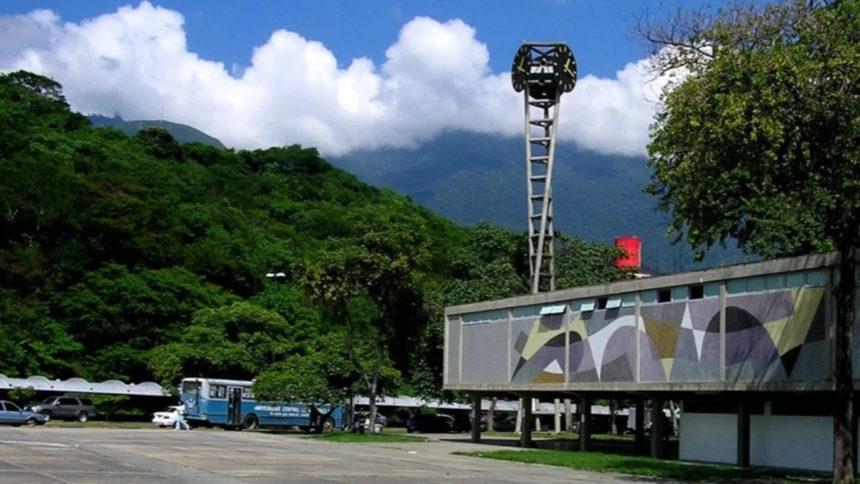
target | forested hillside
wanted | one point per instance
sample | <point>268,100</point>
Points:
<point>183,133</point>
<point>469,177</point>
<point>139,258</point>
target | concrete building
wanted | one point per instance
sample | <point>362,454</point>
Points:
<point>746,349</point>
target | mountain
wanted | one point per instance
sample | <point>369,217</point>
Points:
<point>471,177</point>
<point>182,133</point>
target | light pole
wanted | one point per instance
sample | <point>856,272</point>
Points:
<point>276,277</point>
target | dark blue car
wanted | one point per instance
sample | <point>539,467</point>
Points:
<point>11,414</point>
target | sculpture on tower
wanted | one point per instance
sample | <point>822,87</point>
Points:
<point>542,72</point>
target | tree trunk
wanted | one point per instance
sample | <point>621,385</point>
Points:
<point>613,428</point>
<point>673,411</point>
<point>491,413</point>
<point>843,408</point>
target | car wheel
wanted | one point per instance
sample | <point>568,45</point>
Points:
<point>31,422</point>
<point>82,417</point>
<point>328,425</point>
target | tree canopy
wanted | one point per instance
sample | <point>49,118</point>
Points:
<point>757,140</point>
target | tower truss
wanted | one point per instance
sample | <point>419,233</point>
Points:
<point>542,72</point>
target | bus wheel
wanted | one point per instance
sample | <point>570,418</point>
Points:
<point>251,422</point>
<point>328,425</point>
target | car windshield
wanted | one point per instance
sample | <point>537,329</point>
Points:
<point>49,400</point>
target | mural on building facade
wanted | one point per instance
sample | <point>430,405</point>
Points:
<point>679,343</point>
<point>777,336</point>
<point>771,336</point>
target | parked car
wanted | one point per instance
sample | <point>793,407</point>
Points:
<point>431,423</point>
<point>362,422</point>
<point>66,408</point>
<point>167,417</point>
<point>11,414</point>
<point>501,424</point>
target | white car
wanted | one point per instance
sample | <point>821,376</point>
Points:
<point>166,418</point>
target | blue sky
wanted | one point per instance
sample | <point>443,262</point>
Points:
<point>599,31</point>
<point>306,83</point>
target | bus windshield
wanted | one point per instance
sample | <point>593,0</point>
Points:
<point>190,387</point>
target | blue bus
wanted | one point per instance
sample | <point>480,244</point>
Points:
<point>230,404</point>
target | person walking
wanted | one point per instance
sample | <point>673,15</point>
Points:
<point>180,421</point>
<point>315,417</point>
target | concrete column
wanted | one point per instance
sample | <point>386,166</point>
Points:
<point>568,415</point>
<point>536,406</point>
<point>476,418</point>
<point>518,426</point>
<point>585,424</point>
<point>657,428</point>
<point>526,435</point>
<point>640,427</point>
<point>743,434</point>
<point>557,416</point>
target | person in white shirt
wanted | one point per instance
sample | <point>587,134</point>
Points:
<point>180,418</point>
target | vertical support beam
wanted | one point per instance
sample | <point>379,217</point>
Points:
<point>743,459</point>
<point>518,425</point>
<point>460,354</point>
<point>448,349</point>
<point>830,319</point>
<point>541,228</point>
<point>566,322</point>
<point>557,420</point>
<point>476,418</point>
<point>568,415</point>
<point>638,342</point>
<point>526,435</point>
<point>640,427</point>
<point>723,331</point>
<point>508,356</point>
<point>585,424</point>
<point>536,406</point>
<point>658,419</point>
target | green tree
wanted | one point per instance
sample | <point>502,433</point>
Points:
<point>327,376</point>
<point>369,282</point>
<point>758,139</point>
<point>582,263</point>
<point>236,341</point>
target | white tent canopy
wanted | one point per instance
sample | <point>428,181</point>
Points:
<point>110,387</point>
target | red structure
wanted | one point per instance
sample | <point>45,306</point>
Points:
<point>633,247</point>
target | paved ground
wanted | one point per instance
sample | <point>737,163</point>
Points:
<point>102,456</point>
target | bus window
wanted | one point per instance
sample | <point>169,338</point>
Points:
<point>190,387</point>
<point>247,394</point>
<point>218,391</point>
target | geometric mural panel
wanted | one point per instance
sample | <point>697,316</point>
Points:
<point>770,336</point>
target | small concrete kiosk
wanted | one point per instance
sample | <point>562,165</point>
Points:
<point>746,349</point>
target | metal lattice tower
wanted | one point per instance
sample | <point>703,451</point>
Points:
<point>542,72</point>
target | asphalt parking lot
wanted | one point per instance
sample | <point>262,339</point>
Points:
<point>102,456</point>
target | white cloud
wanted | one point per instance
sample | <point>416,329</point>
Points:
<point>436,77</point>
